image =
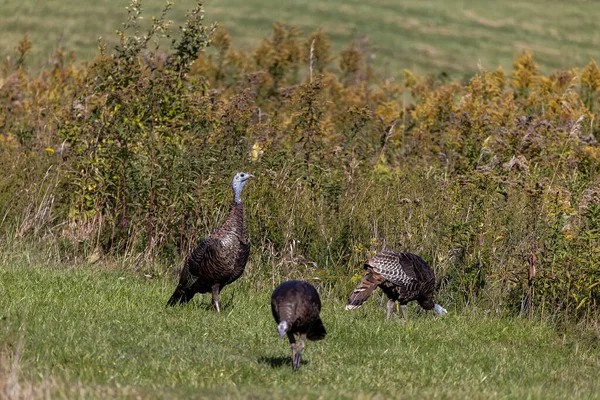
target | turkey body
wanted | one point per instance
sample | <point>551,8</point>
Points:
<point>403,277</point>
<point>296,306</point>
<point>218,260</point>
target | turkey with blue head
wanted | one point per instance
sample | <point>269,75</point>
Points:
<point>296,306</point>
<point>403,277</point>
<point>220,258</point>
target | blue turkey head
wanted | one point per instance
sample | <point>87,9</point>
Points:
<point>238,183</point>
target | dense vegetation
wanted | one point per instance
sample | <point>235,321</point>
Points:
<point>493,181</point>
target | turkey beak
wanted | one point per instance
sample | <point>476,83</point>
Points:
<point>282,329</point>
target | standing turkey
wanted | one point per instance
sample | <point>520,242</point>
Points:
<point>403,277</point>
<point>220,258</point>
<point>296,306</point>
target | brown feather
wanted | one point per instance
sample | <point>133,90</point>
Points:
<point>364,290</point>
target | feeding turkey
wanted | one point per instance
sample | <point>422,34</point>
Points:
<point>403,277</point>
<point>296,306</point>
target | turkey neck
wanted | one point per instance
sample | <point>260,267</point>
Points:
<point>235,224</point>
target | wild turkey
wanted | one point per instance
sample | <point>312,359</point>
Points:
<point>296,306</point>
<point>220,258</point>
<point>403,277</point>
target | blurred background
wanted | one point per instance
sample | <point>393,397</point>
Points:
<point>426,36</point>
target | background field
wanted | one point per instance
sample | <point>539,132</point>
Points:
<point>425,36</point>
<point>91,332</point>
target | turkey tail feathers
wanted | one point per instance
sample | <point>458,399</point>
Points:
<point>178,297</point>
<point>317,331</point>
<point>364,290</point>
<point>174,300</point>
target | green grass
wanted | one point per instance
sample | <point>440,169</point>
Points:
<point>423,35</point>
<point>92,332</point>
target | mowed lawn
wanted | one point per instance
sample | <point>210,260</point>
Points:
<point>90,332</point>
<point>429,36</point>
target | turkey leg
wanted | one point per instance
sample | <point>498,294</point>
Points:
<point>390,308</point>
<point>296,359</point>
<point>215,296</point>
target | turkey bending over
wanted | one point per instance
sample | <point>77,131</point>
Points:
<point>220,258</point>
<point>296,306</point>
<point>403,277</point>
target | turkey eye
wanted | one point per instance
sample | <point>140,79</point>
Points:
<point>243,175</point>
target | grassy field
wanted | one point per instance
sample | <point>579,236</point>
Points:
<point>425,35</point>
<point>94,332</point>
